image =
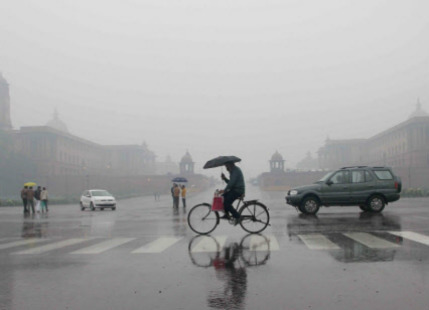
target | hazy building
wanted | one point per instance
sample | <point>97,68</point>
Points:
<point>277,163</point>
<point>167,167</point>
<point>186,164</point>
<point>54,151</point>
<point>404,145</point>
<point>5,123</point>
<point>308,163</point>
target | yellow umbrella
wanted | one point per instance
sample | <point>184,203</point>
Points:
<point>30,184</point>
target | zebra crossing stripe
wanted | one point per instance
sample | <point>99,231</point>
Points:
<point>103,246</point>
<point>20,242</point>
<point>370,241</point>
<point>209,244</point>
<point>158,245</point>
<point>318,242</point>
<point>413,236</point>
<point>263,243</point>
<point>51,246</point>
<point>274,245</point>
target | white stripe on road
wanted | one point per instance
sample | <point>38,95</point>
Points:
<point>413,236</point>
<point>20,242</point>
<point>318,242</point>
<point>209,244</point>
<point>158,245</point>
<point>370,241</point>
<point>103,246</point>
<point>263,243</point>
<point>52,246</point>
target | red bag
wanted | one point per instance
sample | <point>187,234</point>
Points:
<point>217,204</point>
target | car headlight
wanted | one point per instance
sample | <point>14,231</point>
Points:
<point>293,192</point>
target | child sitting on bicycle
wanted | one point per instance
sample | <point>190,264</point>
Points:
<point>234,189</point>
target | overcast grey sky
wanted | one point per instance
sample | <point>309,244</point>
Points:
<point>220,77</point>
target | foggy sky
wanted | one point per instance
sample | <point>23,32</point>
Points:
<point>222,77</point>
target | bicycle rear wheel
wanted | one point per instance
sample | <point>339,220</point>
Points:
<point>254,217</point>
<point>202,220</point>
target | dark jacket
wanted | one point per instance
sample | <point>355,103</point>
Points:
<point>236,181</point>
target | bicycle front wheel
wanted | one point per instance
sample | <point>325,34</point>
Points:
<point>254,217</point>
<point>202,220</point>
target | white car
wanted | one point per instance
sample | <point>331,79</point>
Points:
<point>97,198</point>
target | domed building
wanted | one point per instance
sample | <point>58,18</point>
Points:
<point>419,112</point>
<point>277,163</point>
<point>57,124</point>
<point>186,164</point>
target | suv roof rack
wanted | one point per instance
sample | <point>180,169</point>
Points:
<point>354,167</point>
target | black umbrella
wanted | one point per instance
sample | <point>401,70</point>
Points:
<point>220,161</point>
<point>179,180</point>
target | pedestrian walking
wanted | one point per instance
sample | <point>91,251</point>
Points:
<point>44,199</point>
<point>183,194</point>
<point>37,193</point>
<point>172,193</point>
<point>24,192</point>
<point>30,198</point>
<point>176,195</point>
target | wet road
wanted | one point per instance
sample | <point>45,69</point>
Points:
<point>143,256</point>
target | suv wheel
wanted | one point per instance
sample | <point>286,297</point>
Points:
<point>375,203</point>
<point>310,205</point>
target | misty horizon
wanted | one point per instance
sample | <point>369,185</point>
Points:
<point>243,78</point>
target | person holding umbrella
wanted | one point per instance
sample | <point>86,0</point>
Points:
<point>234,189</point>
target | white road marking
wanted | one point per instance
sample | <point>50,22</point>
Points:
<point>52,246</point>
<point>158,245</point>
<point>318,242</point>
<point>103,246</point>
<point>370,241</point>
<point>413,236</point>
<point>209,244</point>
<point>263,243</point>
<point>20,242</point>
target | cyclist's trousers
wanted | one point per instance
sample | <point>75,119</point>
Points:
<point>228,199</point>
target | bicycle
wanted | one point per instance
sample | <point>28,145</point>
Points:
<point>254,217</point>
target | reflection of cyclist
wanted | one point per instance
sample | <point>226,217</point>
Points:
<point>235,280</point>
<point>234,189</point>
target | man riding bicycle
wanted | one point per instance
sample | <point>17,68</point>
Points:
<point>234,189</point>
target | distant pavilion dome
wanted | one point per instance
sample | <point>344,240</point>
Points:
<point>57,124</point>
<point>186,158</point>
<point>186,164</point>
<point>277,157</point>
<point>419,111</point>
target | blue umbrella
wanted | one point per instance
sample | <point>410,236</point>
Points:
<point>179,180</point>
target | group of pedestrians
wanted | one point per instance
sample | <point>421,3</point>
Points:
<point>178,191</point>
<point>37,199</point>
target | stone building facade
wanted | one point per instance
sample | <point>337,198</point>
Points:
<point>404,145</point>
<point>5,122</point>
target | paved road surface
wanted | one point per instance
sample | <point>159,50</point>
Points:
<point>143,256</point>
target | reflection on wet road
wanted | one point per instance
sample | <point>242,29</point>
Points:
<point>362,237</point>
<point>144,256</point>
<point>230,263</point>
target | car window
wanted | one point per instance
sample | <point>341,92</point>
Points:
<point>358,176</point>
<point>100,193</point>
<point>368,176</point>
<point>383,174</point>
<point>340,177</point>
